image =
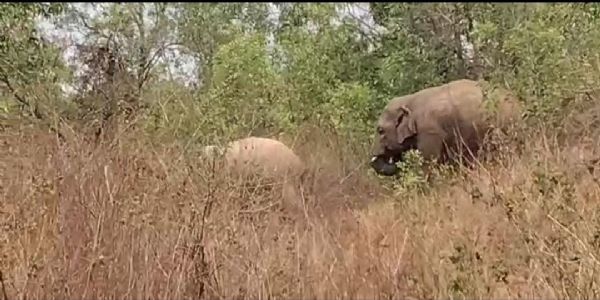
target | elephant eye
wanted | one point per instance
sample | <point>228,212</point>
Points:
<point>380,130</point>
<point>400,118</point>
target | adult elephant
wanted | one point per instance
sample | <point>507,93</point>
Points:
<point>444,123</point>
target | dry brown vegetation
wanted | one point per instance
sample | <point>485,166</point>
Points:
<point>126,221</point>
<point>94,213</point>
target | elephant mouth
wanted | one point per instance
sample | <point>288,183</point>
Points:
<point>385,166</point>
<point>384,159</point>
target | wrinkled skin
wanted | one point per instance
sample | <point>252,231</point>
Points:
<point>446,122</point>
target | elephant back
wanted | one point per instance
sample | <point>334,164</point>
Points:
<point>263,156</point>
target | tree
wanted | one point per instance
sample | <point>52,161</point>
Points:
<point>26,59</point>
<point>120,52</point>
<point>204,27</point>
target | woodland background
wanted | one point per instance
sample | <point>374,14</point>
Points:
<point>104,106</point>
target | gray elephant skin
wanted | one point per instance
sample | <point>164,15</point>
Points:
<point>444,123</point>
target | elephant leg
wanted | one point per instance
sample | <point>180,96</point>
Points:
<point>291,197</point>
<point>462,146</point>
<point>468,149</point>
<point>431,147</point>
<point>432,150</point>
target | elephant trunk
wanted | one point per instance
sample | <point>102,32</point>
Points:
<point>384,167</point>
<point>381,161</point>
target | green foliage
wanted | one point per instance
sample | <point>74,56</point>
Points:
<point>419,46</point>
<point>544,55</point>
<point>25,58</point>
<point>313,65</point>
<point>27,63</point>
<point>244,87</point>
<point>347,109</point>
<point>413,176</point>
<point>312,73</point>
<point>173,113</point>
<point>204,27</point>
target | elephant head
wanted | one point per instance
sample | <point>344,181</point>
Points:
<point>396,130</point>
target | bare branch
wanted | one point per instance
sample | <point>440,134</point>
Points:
<point>20,98</point>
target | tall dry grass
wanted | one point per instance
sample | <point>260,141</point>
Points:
<point>136,220</point>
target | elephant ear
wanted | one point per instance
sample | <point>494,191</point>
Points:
<point>406,126</point>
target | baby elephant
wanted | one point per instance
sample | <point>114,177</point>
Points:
<point>264,157</point>
<point>258,156</point>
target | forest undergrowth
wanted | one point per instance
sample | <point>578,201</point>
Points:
<point>135,219</point>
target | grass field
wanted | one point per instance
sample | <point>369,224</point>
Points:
<point>135,220</point>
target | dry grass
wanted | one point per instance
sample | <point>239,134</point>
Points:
<point>83,222</point>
